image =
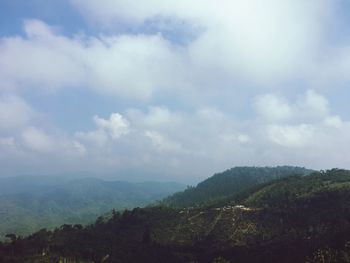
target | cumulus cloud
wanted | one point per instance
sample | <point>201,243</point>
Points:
<point>207,138</point>
<point>39,141</point>
<point>126,65</point>
<point>310,106</point>
<point>23,130</point>
<point>184,87</point>
<point>199,142</point>
<point>291,136</point>
<point>40,60</point>
<point>166,138</point>
<point>116,126</point>
<point>307,123</point>
<point>234,41</point>
<point>237,37</point>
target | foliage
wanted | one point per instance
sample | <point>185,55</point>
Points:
<point>54,202</point>
<point>292,219</point>
<point>224,185</point>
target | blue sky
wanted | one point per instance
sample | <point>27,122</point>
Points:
<point>172,90</point>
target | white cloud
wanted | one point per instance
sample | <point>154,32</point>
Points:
<point>199,142</point>
<point>159,116</point>
<point>162,138</point>
<point>334,121</point>
<point>113,128</point>
<point>42,59</point>
<point>240,37</point>
<point>273,107</point>
<point>133,66</point>
<point>33,140</point>
<point>291,136</point>
<point>126,65</point>
<point>161,143</point>
<point>306,124</point>
<point>116,126</point>
<point>232,139</point>
<point>80,148</point>
<point>234,41</point>
<point>98,137</point>
<point>204,82</point>
<point>14,112</point>
<point>211,114</point>
<point>37,140</point>
<point>311,106</point>
<point>243,138</point>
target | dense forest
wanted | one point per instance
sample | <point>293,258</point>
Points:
<point>223,185</point>
<point>294,218</point>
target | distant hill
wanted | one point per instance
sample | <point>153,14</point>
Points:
<point>225,184</point>
<point>28,204</point>
<point>29,184</point>
<point>294,219</point>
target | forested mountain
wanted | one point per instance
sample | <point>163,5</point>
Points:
<point>292,219</point>
<point>29,184</point>
<point>28,204</point>
<point>224,185</point>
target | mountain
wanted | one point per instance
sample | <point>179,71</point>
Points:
<point>225,184</point>
<point>291,219</point>
<point>29,184</point>
<point>28,204</point>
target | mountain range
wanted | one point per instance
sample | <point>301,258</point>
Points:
<point>285,217</point>
<point>29,203</point>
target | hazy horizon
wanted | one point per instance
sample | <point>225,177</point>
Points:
<point>135,177</point>
<point>172,90</point>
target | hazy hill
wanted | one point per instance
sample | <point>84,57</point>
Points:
<point>291,220</point>
<point>29,184</point>
<point>229,182</point>
<point>28,204</point>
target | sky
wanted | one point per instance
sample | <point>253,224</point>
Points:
<point>172,90</point>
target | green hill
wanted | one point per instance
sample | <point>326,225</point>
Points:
<point>37,202</point>
<point>292,219</point>
<point>230,182</point>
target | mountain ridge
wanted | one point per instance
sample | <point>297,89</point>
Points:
<point>290,219</point>
<point>231,181</point>
<point>24,211</point>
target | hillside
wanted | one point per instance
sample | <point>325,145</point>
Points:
<point>34,203</point>
<point>224,185</point>
<point>293,219</point>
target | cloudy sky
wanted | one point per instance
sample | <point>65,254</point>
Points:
<point>172,90</point>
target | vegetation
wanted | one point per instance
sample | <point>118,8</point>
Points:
<point>27,205</point>
<point>291,219</point>
<point>230,182</point>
